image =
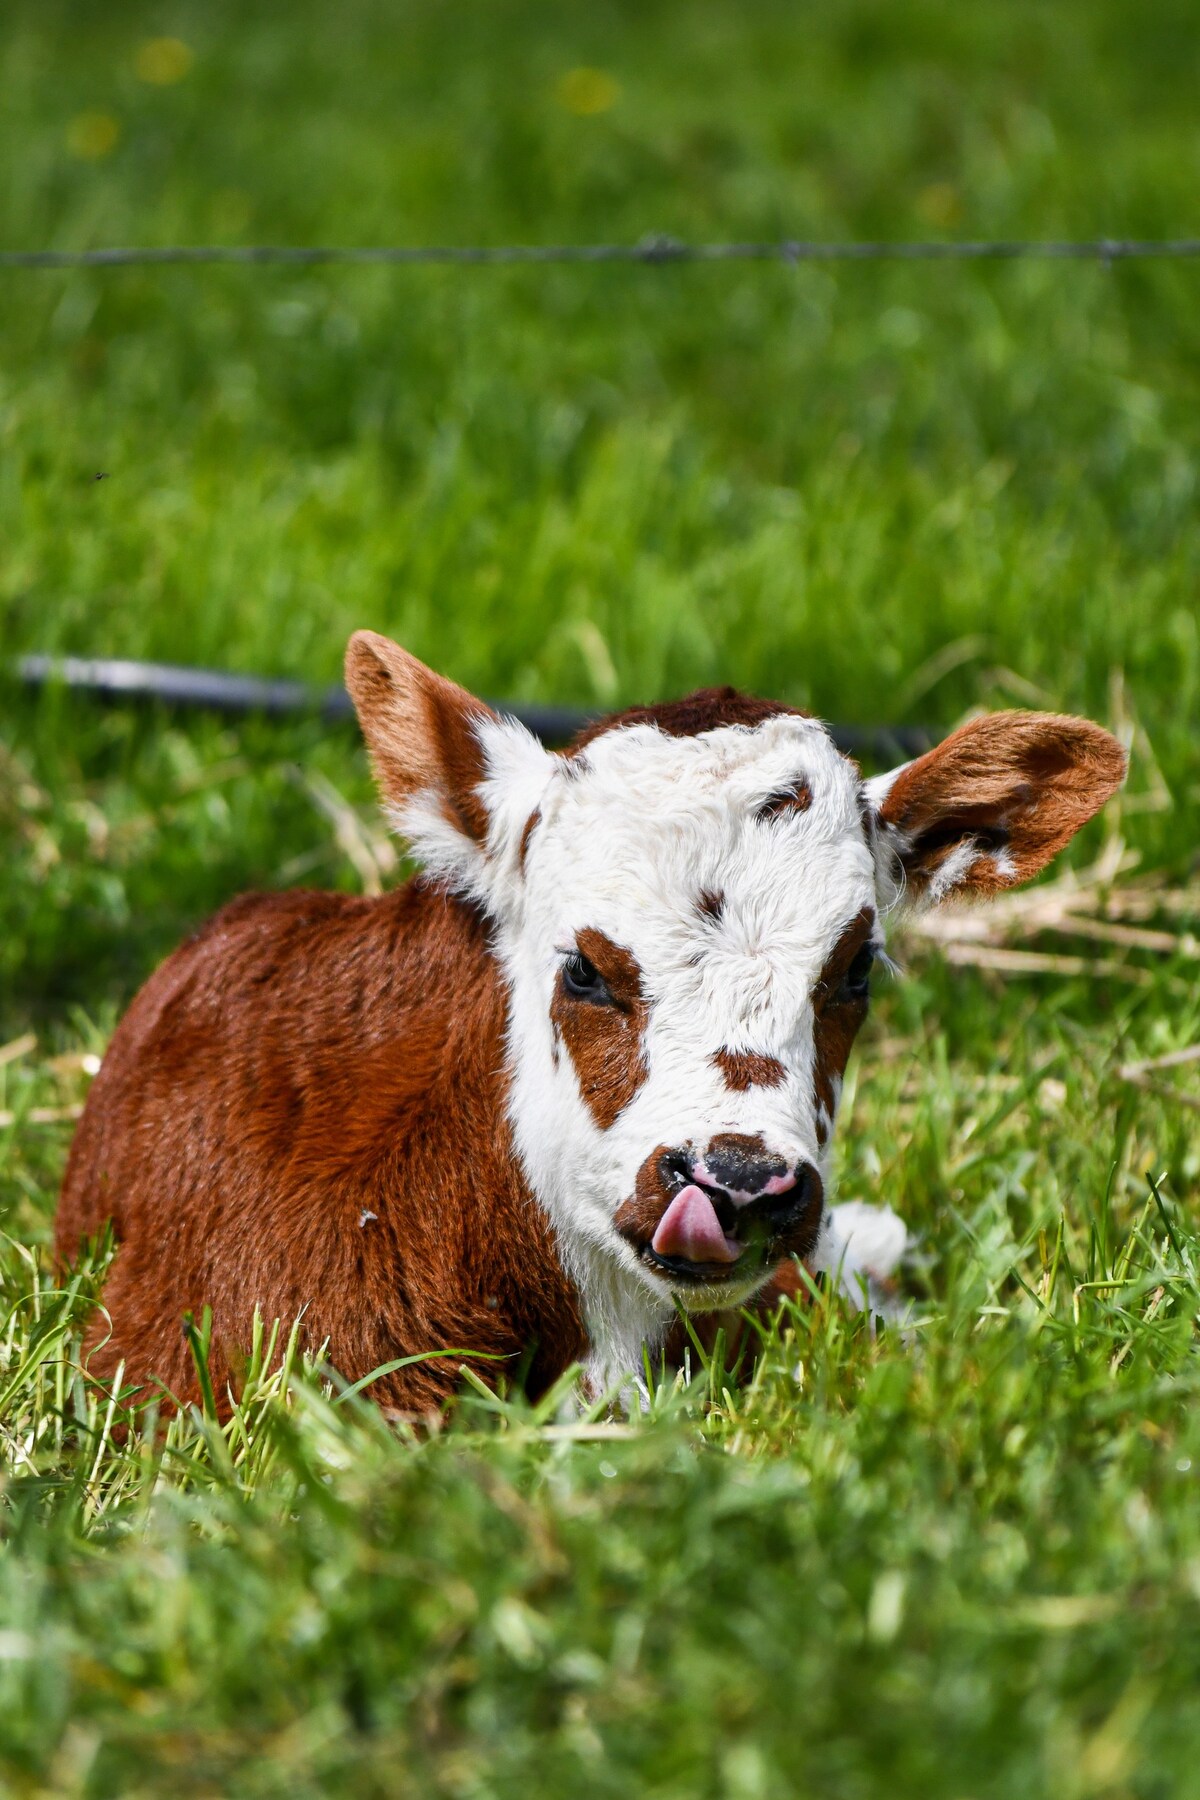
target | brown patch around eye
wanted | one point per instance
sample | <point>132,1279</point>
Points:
<point>711,905</point>
<point>837,1023</point>
<point>604,1041</point>
<point>794,799</point>
<point>745,1069</point>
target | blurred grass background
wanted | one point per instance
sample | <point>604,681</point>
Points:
<point>888,493</point>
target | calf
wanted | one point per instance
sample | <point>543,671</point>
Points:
<point>583,1068</point>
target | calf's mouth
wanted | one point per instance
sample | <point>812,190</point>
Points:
<point>696,1234</point>
<point>697,1238</point>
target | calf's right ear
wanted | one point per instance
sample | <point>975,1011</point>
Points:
<point>422,732</point>
<point>457,780</point>
<point>989,807</point>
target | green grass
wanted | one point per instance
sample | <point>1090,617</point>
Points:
<point>963,1561</point>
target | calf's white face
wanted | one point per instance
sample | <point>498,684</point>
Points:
<point>688,955</point>
<point>685,909</point>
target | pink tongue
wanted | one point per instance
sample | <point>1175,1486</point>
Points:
<point>690,1228</point>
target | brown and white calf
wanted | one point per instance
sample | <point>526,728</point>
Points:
<point>583,1067</point>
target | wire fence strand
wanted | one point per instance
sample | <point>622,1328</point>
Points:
<point>654,250</point>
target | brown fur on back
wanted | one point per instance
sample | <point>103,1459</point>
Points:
<point>305,1061</point>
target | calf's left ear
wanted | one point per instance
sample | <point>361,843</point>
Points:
<point>989,807</point>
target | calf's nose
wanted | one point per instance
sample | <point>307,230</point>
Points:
<point>744,1168</point>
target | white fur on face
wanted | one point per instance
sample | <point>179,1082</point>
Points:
<point>630,834</point>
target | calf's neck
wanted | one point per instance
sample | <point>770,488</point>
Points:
<point>581,1070</point>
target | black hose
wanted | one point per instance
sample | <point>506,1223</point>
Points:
<point>111,679</point>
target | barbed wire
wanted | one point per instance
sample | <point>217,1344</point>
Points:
<point>649,250</point>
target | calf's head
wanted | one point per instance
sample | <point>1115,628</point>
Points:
<point>685,908</point>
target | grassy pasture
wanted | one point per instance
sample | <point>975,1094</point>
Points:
<point>961,1561</point>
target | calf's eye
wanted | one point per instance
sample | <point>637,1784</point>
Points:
<point>583,981</point>
<point>856,982</point>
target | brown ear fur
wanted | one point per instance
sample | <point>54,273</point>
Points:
<point>1019,784</point>
<point>419,729</point>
